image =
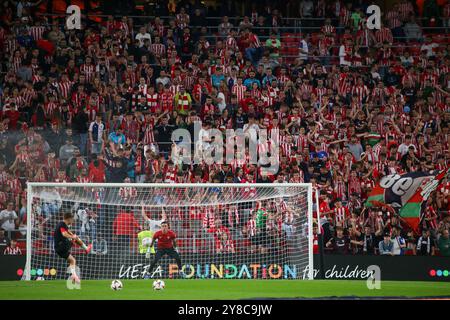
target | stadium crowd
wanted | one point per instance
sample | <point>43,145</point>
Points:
<point>352,105</point>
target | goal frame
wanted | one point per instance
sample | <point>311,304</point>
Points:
<point>31,185</point>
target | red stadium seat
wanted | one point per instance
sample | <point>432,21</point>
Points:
<point>289,37</point>
<point>22,244</point>
<point>441,38</point>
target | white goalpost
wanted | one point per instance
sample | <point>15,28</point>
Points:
<point>224,231</point>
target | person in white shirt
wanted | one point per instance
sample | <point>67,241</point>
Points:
<point>406,59</point>
<point>225,27</point>
<point>343,56</point>
<point>142,35</point>
<point>399,242</point>
<point>51,202</point>
<point>429,46</point>
<point>303,49</point>
<point>9,220</point>
<point>204,139</point>
<point>152,224</point>
<point>403,148</point>
<point>252,124</point>
<point>219,99</point>
<point>96,134</point>
<point>163,78</point>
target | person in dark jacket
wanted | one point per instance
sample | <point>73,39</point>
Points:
<point>80,129</point>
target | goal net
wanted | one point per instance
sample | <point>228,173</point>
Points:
<point>224,231</point>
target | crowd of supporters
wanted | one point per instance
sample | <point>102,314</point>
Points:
<point>352,105</point>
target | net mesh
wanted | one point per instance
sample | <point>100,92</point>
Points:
<point>226,232</point>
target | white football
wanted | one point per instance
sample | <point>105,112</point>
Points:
<point>158,285</point>
<point>146,242</point>
<point>116,285</point>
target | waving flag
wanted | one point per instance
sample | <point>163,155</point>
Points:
<point>406,193</point>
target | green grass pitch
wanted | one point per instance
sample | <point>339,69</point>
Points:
<point>218,289</point>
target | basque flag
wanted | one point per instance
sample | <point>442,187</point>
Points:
<point>406,193</point>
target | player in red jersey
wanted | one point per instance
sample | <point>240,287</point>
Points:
<point>166,245</point>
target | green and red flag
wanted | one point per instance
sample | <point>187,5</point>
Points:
<point>406,193</point>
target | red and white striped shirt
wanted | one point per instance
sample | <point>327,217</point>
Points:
<point>251,226</point>
<point>344,16</point>
<point>286,149</point>
<point>15,185</point>
<point>354,185</point>
<point>85,179</point>
<point>340,190</point>
<point>254,41</point>
<point>231,44</point>
<point>430,213</point>
<point>37,32</point>
<point>393,19</point>
<point>127,193</point>
<point>149,137</point>
<point>384,34</point>
<point>282,79</point>
<point>189,82</point>
<point>361,91</point>
<point>125,28</point>
<point>233,217</point>
<point>302,143</point>
<point>267,99</point>
<point>239,91</point>
<point>64,88</point>
<point>28,95</point>
<point>340,215</point>
<point>226,246</point>
<point>49,109</point>
<point>12,251</point>
<point>158,49</point>
<point>16,63</point>
<point>89,71</point>
<point>182,20</point>
<point>273,92</point>
<point>319,92</point>
<point>11,46</point>
<point>328,29</point>
<point>405,9</point>
<point>171,175</point>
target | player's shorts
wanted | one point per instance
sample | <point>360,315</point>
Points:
<point>171,252</point>
<point>62,249</point>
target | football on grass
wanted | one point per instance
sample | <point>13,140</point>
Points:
<point>158,285</point>
<point>116,285</point>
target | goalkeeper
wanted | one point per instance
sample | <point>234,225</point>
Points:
<point>261,224</point>
<point>166,245</point>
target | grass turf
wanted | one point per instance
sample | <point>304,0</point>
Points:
<point>217,289</point>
